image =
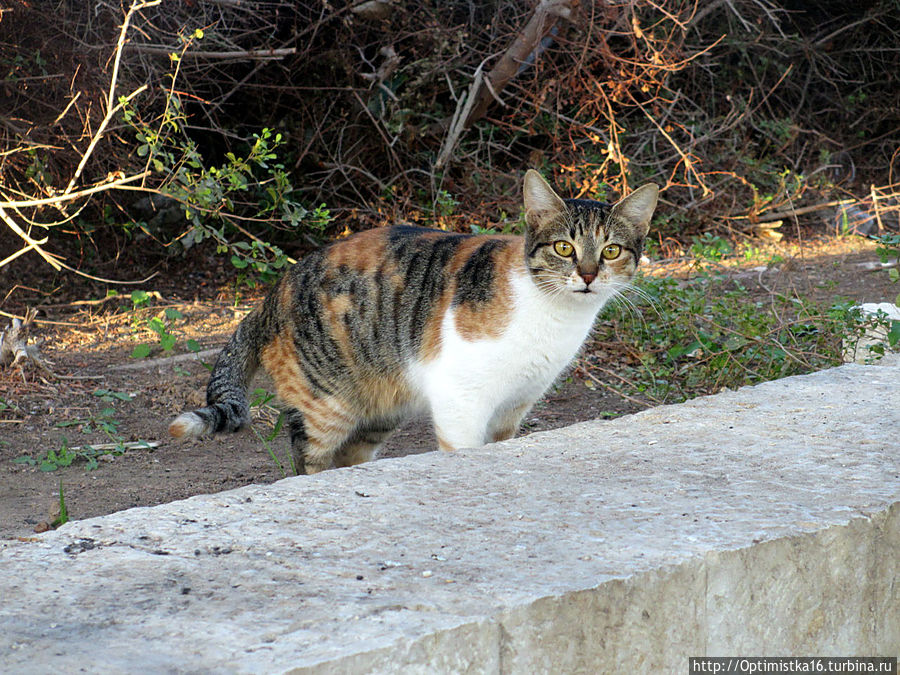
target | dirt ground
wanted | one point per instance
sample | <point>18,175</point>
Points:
<point>94,338</point>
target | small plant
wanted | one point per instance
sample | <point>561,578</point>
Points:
<point>108,396</point>
<point>267,440</point>
<point>9,407</point>
<point>53,460</point>
<point>889,252</point>
<point>63,517</point>
<point>260,398</point>
<point>710,247</point>
<point>66,455</point>
<point>217,200</point>
<point>102,423</point>
<point>161,325</point>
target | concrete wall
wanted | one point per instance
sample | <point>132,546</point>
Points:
<point>757,522</point>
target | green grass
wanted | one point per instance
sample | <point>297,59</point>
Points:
<point>674,340</point>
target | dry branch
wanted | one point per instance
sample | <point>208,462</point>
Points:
<point>526,45</point>
<point>246,55</point>
<point>16,350</point>
<point>14,347</point>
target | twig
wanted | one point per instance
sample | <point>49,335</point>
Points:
<point>67,197</point>
<point>607,385</point>
<point>250,54</point>
<point>111,109</point>
<point>876,208</point>
<point>688,163</point>
<point>50,258</point>
<point>460,114</point>
<point>124,445</point>
<point>41,321</point>
<point>790,213</point>
<point>167,360</point>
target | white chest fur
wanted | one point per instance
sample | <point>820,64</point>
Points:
<point>472,382</point>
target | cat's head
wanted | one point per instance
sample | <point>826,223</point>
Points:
<point>581,248</point>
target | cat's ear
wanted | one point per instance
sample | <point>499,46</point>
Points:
<point>637,208</point>
<point>542,204</point>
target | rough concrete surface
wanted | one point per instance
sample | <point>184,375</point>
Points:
<point>759,522</point>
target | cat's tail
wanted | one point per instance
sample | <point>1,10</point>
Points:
<point>227,407</point>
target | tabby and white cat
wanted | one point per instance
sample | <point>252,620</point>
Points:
<point>393,321</point>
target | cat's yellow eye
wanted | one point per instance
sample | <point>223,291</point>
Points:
<point>564,248</point>
<point>612,252</point>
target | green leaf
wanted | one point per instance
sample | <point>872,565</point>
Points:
<point>48,466</point>
<point>734,342</point>
<point>143,150</point>
<point>63,516</point>
<point>193,345</point>
<point>238,262</point>
<point>894,334</point>
<point>25,459</point>
<point>156,325</point>
<point>167,340</point>
<point>108,395</point>
<point>172,313</point>
<point>141,351</point>
<point>678,351</point>
<point>139,298</point>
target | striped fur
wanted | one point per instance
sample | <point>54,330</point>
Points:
<point>391,321</point>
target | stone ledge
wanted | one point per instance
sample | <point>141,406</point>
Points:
<point>762,521</point>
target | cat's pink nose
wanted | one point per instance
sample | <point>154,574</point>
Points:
<point>588,278</point>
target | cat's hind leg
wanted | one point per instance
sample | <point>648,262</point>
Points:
<point>363,445</point>
<point>319,429</point>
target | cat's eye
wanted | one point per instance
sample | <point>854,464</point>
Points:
<point>612,252</point>
<point>564,248</point>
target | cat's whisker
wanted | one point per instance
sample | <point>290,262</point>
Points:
<point>636,313</point>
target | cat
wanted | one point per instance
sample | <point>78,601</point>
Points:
<point>396,320</point>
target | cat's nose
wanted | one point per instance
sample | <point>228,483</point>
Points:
<point>588,278</point>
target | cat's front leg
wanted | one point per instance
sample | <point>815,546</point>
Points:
<point>459,423</point>
<point>506,422</point>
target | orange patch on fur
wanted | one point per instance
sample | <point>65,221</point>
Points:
<point>336,308</point>
<point>178,428</point>
<point>363,252</point>
<point>442,444</point>
<point>383,395</point>
<point>431,335</point>
<point>490,319</point>
<point>279,358</point>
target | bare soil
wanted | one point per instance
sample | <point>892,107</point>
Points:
<point>96,340</point>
